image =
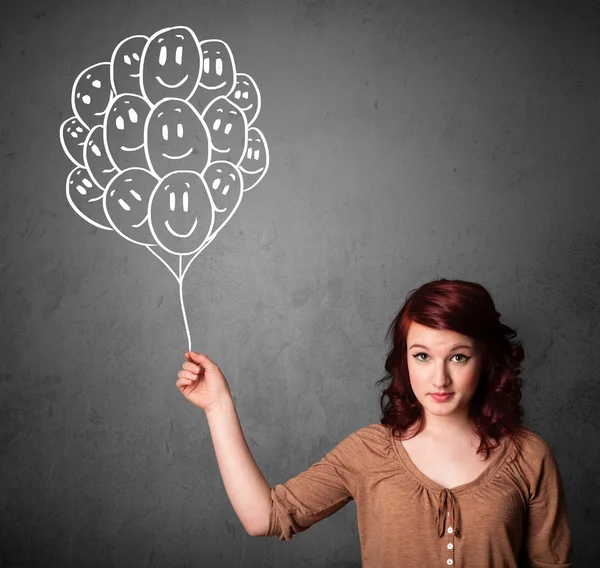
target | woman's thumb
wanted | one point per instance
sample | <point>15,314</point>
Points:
<point>201,359</point>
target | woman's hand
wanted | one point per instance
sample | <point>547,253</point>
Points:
<point>202,382</point>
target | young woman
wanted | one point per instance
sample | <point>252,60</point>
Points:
<point>450,477</point>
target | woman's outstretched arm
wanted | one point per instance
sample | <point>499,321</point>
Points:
<point>202,383</point>
<point>246,487</point>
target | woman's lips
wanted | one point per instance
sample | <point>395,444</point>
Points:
<point>441,397</point>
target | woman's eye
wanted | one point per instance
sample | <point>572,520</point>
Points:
<point>465,358</point>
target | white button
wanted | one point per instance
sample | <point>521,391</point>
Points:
<point>450,546</point>
<point>450,530</point>
<point>449,561</point>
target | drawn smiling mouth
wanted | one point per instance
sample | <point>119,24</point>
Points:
<point>246,108</point>
<point>159,79</point>
<point>212,88</point>
<point>126,149</point>
<point>177,157</point>
<point>220,210</point>
<point>176,234</point>
<point>223,151</point>
<point>252,171</point>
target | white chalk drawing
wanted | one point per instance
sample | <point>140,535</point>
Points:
<point>125,203</point>
<point>255,164</point>
<point>181,212</point>
<point>95,157</point>
<point>247,96</point>
<point>125,65</point>
<point>176,138</point>
<point>218,76</point>
<point>170,65</point>
<point>85,196</point>
<point>228,129</point>
<point>224,181</point>
<point>72,137</point>
<point>124,131</point>
<point>164,144</point>
<point>91,94</point>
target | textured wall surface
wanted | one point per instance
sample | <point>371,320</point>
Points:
<point>410,140</point>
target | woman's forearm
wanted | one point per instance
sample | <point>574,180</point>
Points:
<point>246,487</point>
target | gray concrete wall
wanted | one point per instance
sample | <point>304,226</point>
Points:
<point>409,141</point>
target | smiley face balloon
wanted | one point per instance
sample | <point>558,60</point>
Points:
<point>247,96</point>
<point>91,94</point>
<point>176,138</point>
<point>126,204</point>
<point>96,158</point>
<point>125,65</point>
<point>72,138</point>
<point>228,130</point>
<point>170,64</point>
<point>168,128</point>
<point>218,73</point>
<point>255,163</point>
<point>224,181</point>
<point>181,213</point>
<point>85,197</point>
<point>124,131</point>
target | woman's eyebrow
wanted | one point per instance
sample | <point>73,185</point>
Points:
<point>459,346</point>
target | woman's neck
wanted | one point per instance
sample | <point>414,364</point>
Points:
<point>447,428</point>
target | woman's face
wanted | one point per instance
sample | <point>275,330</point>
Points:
<point>441,361</point>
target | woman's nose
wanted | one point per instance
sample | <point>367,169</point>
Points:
<point>442,377</point>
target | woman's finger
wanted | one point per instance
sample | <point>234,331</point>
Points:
<point>192,367</point>
<point>187,375</point>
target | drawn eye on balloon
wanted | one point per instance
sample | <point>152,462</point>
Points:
<point>181,212</point>
<point>228,129</point>
<point>126,202</point>
<point>91,94</point>
<point>225,183</point>
<point>96,158</point>
<point>125,65</point>
<point>72,138</point>
<point>171,65</point>
<point>124,131</point>
<point>176,138</point>
<point>85,197</point>
<point>246,96</point>
<point>255,163</point>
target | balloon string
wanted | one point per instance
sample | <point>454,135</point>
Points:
<point>195,257</point>
<point>151,249</point>
<point>180,280</point>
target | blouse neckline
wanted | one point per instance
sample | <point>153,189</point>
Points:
<point>496,460</point>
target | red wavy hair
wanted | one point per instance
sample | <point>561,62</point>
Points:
<point>467,308</point>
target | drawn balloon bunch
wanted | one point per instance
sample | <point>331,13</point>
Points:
<point>164,145</point>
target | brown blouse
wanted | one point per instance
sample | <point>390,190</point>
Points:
<point>512,515</point>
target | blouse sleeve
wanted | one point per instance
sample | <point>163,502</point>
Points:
<point>324,488</point>
<point>548,537</point>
